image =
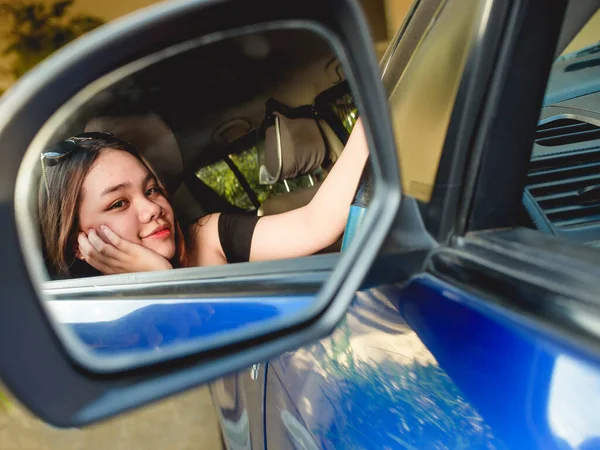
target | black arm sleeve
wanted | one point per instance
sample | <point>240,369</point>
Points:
<point>235,235</point>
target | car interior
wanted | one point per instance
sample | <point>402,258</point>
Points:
<point>562,193</point>
<point>251,132</point>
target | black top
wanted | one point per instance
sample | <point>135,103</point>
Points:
<point>235,235</point>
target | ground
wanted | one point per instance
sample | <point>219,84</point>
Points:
<point>187,421</point>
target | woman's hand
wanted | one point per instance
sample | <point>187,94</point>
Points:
<point>118,255</point>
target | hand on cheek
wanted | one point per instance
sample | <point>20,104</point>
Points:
<point>100,233</point>
<point>111,254</point>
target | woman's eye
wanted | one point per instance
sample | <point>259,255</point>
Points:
<point>117,205</point>
<point>154,190</point>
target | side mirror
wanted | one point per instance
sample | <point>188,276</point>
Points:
<point>75,351</point>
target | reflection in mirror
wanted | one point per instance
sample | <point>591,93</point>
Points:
<point>154,179</point>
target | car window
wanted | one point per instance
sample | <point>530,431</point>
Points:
<point>220,178</point>
<point>422,97</point>
<point>346,110</point>
<point>589,35</point>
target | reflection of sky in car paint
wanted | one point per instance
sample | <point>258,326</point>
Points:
<point>571,416</point>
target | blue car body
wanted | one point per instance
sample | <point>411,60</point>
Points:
<point>418,366</point>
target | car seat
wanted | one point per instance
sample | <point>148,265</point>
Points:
<point>291,148</point>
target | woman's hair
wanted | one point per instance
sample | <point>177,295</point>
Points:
<point>59,202</point>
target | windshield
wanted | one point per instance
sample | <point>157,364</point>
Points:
<point>588,38</point>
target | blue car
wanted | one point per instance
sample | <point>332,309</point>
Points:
<point>458,310</point>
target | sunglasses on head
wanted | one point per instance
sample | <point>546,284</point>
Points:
<point>57,153</point>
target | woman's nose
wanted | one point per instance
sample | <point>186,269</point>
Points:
<point>148,210</point>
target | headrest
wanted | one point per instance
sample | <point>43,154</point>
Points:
<point>151,137</point>
<point>292,147</point>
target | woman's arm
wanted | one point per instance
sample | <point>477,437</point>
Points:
<point>300,232</point>
<point>205,248</point>
<point>306,230</point>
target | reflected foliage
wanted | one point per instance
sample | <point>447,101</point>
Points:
<point>419,398</point>
<point>221,179</point>
<point>346,111</point>
<point>38,29</point>
<point>4,403</point>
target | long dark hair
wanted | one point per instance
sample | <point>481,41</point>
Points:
<point>58,207</point>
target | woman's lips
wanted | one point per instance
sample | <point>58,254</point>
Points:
<point>160,234</point>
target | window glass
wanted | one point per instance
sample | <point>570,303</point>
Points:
<point>423,98</point>
<point>346,111</point>
<point>221,179</point>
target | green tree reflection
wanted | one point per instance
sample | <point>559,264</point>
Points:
<point>412,406</point>
<point>38,29</point>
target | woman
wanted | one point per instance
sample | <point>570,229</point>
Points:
<point>104,209</point>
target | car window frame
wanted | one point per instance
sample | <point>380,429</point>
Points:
<point>443,210</point>
<point>532,277</point>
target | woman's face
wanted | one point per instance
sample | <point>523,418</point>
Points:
<point>120,193</point>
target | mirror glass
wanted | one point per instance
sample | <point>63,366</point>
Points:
<point>194,196</point>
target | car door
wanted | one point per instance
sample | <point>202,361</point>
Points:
<point>488,348</point>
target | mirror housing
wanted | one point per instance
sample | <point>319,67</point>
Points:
<point>72,393</point>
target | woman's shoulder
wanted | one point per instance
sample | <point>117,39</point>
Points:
<point>226,235</point>
<point>205,221</point>
<point>204,247</point>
